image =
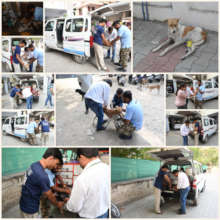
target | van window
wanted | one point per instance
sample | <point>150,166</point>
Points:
<point>215,85</point>
<point>75,25</point>
<point>211,121</point>
<point>206,122</point>
<point>20,121</point>
<point>7,121</point>
<point>208,85</point>
<point>5,45</point>
<point>50,26</point>
<point>214,122</point>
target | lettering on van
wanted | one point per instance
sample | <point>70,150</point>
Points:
<point>73,39</point>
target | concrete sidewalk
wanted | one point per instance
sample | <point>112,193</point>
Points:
<point>147,34</point>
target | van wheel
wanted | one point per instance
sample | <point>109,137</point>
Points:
<point>195,201</point>
<point>4,133</point>
<point>79,59</point>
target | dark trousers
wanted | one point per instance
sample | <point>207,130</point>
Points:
<point>97,109</point>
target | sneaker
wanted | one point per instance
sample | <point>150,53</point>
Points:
<point>125,137</point>
<point>87,112</point>
<point>107,57</point>
<point>117,64</point>
<point>180,212</point>
<point>100,129</point>
<point>121,69</point>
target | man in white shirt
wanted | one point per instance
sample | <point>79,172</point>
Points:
<point>110,35</point>
<point>97,98</point>
<point>183,186</point>
<point>90,194</point>
<point>189,95</point>
<point>184,132</point>
<point>27,94</point>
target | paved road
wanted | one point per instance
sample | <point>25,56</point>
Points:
<point>208,204</point>
<point>9,140</point>
<point>6,104</point>
<point>148,34</point>
<point>210,104</point>
<point>75,128</point>
<point>173,138</point>
<point>65,63</point>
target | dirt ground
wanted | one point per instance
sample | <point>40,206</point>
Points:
<point>76,128</point>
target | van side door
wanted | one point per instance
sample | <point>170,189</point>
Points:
<point>20,126</point>
<point>7,126</point>
<point>76,36</point>
<point>50,34</point>
<point>209,90</point>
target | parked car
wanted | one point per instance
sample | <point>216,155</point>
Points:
<point>182,158</point>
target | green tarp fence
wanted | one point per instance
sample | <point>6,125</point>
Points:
<point>15,160</point>
<point>123,169</point>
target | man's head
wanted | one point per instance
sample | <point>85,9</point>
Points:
<point>17,86</point>
<point>102,22</point>
<point>22,43</point>
<point>199,82</point>
<point>31,47</point>
<point>127,96</point>
<point>175,173</point>
<point>116,24</point>
<point>53,158</point>
<point>165,168</point>
<point>42,118</point>
<point>108,81</point>
<point>110,29</point>
<point>119,92</point>
<point>187,123</point>
<point>183,87</point>
<point>85,155</point>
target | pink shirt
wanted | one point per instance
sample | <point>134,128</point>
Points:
<point>181,98</point>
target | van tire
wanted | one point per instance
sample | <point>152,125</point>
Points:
<point>79,59</point>
<point>195,200</point>
<point>4,133</point>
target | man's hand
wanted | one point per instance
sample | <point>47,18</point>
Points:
<point>66,200</point>
<point>67,191</point>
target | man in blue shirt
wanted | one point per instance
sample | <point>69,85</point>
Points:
<point>17,61</point>
<point>158,186</point>
<point>36,183</point>
<point>99,40</point>
<point>49,94</point>
<point>124,35</point>
<point>200,90</point>
<point>37,55</point>
<point>45,129</point>
<point>14,95</point>
<point>133,119</point>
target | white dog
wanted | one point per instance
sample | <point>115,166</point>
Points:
<point>179,34</point>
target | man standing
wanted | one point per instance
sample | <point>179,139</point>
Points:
<point>27,94</point>
<point>158,186</point>
<point>17,61</point>
<point>124,35</point>
<point>196,132</point>
<point>31,131</point>
<point>184,131</point>
<point>111,34</point>
<point>45,129</point>
<point>97,98</point>
<point>37,55</point>
<point>184,187</point>
<point>36,184</point>
<point>90,194</point>
<point>50,93</point>
<point>199,95</point>
<point>14,94</point>
<point>99,39</point>
<point>133,119</point>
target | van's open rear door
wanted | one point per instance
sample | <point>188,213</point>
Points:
<point>175,154</point>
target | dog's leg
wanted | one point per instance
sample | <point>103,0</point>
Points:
<point>189,53</point>
<point>170,48</point>
<point>162,45</point>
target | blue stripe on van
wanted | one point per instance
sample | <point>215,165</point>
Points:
<point>20,135</point>
<point>74,51</point>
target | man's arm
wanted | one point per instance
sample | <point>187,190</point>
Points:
<point>106,96</point>
<point>116,39</point>
<point>32,60</point>
<point>168,181</point>
<point>53,200</point>
<point>19,59</point>
<point>105,41</point>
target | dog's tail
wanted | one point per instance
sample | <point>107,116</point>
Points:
<point>204,35</point>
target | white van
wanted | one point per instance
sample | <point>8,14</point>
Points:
<point>73,35</point>
<point>209,127</point>
<point>211,88</point>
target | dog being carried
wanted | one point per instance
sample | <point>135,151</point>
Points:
<point>179,34</point>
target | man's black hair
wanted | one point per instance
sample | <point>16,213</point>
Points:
<point>119,91</point>
<point>55,152</point>
<point>187,122</point>
<point>175,171</point>
<point>42,118</point>
<point>165,167</point>
<point>127,94</point>
<point>109,81</point>
<point>110,28</point>
<point>116,22</point>
<point>17,85</point>
<point>182,85</point>
<point>88,152</point>
<point>31,46</point>
<point>102,20</point>
<point>23,42</point>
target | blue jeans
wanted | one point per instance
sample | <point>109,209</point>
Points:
<point>183,197</point>
<point>29,101</point>
<point>30,67</point>
<point>113,52</point>
<point>49,98</point>
<point>185,141</point>
<point>97,109</point>
<point>106,215</point>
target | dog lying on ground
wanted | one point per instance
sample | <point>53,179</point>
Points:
<point>152,87</point>
<point>179,34</point>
